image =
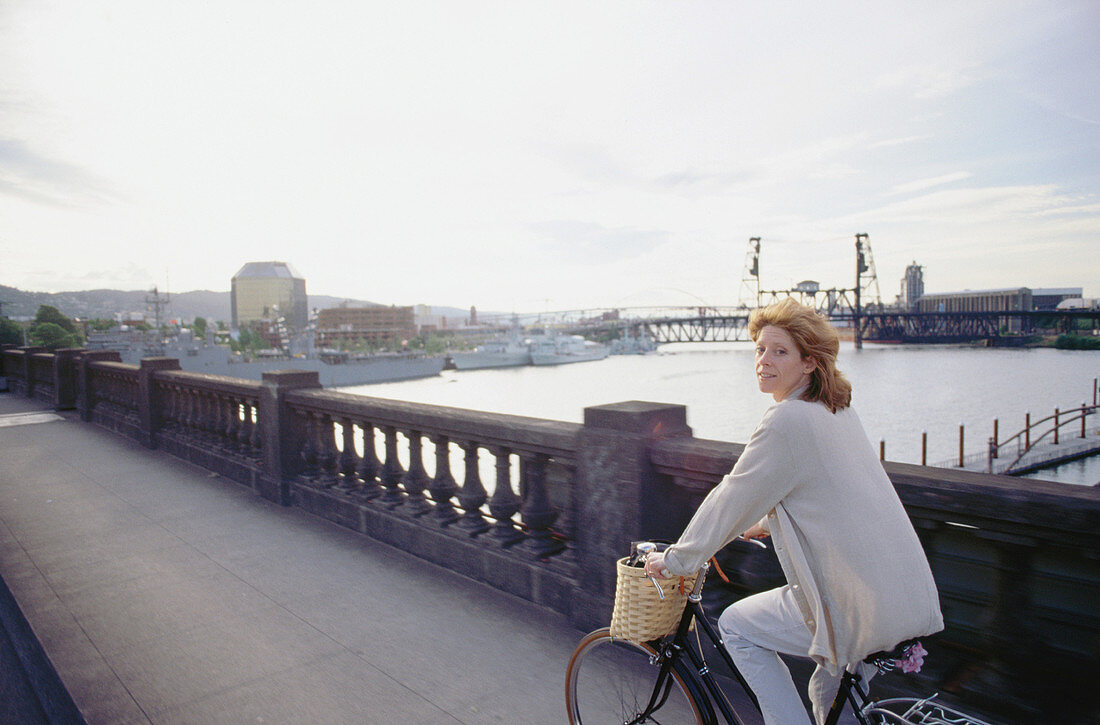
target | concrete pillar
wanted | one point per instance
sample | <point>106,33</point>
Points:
<point>281,434</point>
<point>4,372</point>
<point>27,372</point>
<point>149,404</point>
<point>64,377</point>
<point>617,495</point>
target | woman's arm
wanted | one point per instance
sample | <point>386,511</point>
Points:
<point>655,562</point>
<point>766,471</point>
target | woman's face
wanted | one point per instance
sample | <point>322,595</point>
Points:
<point>780,367</point>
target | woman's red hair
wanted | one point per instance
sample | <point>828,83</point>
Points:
<point>816,339</point>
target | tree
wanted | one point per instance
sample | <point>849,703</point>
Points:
<point>52,329</point>
<point>199,327</point>
<point>50,314</point>
<point>53,336</point>
<point>11,333</point>
<point>248,340</point>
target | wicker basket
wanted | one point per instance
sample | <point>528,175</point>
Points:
<point>640,615</point>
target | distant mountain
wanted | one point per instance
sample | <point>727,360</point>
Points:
<point>103,303</point>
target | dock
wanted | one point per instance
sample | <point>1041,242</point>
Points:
<point>1040,455</point>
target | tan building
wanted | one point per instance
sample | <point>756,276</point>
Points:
<point>994,300</point>
<point>266,290</point>
<point>347,326</point>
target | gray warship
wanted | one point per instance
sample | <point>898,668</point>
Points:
<point>334,369</point>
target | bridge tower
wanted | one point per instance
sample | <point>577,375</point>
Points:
<point>749,296</point>
<point>866,282</point>
<point>866,277</point>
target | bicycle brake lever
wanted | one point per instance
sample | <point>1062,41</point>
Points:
<point>660,592</point>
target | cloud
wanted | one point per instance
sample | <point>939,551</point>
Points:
<point>969,206</point>
<point>595,243</point>
<point>127,276</point>
<point>922,184</point>
<point>29,175</point>
<point>899,141</point>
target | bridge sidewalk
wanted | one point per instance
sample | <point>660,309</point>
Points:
<point>164,594</point>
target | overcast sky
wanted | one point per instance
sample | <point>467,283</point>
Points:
<point>548,155</point>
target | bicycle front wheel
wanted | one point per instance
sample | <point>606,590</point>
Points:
<point>610,682</point>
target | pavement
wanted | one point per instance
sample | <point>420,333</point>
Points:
<point>161,593</point>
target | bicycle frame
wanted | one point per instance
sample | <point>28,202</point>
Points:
<point>673,648</point>
<point>703,689</point>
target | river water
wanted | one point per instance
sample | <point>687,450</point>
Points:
<point>898,391</point>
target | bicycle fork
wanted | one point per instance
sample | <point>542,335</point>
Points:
<point>661,688</point>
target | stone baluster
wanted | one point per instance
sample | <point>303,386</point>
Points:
<point>168,413</point>
<point>212,426</point>
<point>231,419</point>
<point>416,479</point>
<point>221,420</point>
<point>443,484</point>
<point>472,496</point>
<point>347,460</point>
<point>310,471</point>
<point>195,427</point>
<point>122,400</point>
<point>538,514</point>
<point>326,449</point>
<point>255,440</point>
<point>369,465</point>
<point>176,429</point>
<point>244,432</point>
<point>205,425</point>
<point>105,392</point>
<point>133,395</point>
<point>215,424</point>
<point>392,472</point>
<point>504,503</point>
<point>189,416</point>
<point>233,424</point>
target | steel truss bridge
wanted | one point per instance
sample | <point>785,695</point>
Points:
<point>725,325</point>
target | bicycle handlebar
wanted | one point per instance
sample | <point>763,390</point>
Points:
<point>642,550</point>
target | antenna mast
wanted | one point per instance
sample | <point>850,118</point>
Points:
<point>157,302</point>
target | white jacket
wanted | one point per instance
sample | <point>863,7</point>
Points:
<point>844,541</point>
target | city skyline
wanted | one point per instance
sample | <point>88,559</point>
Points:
<point>548,155</point>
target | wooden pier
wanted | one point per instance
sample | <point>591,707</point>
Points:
<point>1058,438</point>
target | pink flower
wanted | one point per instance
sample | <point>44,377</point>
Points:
<point>914,658</point>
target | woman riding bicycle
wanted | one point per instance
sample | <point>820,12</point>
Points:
<point>857,578</point>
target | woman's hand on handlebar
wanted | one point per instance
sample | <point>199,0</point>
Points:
<point>655,566</point>
<point>756,531</point>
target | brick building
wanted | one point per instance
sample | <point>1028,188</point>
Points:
<point>348,326</point>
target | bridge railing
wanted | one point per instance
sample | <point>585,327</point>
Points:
<point>114,399</point>
<point>211,420</point>
<point>1026,439</point>
<point>488,494</point>
<point>1012,451</point>
<point>541,509</point>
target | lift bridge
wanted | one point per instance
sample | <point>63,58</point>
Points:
<point>730,324</point>
<point>858,312</point>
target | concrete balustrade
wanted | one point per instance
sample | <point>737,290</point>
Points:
<point>541,509</point>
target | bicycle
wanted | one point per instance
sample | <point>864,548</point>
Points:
<point>669,681</point>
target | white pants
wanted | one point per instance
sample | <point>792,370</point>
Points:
<point>756,630</point>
